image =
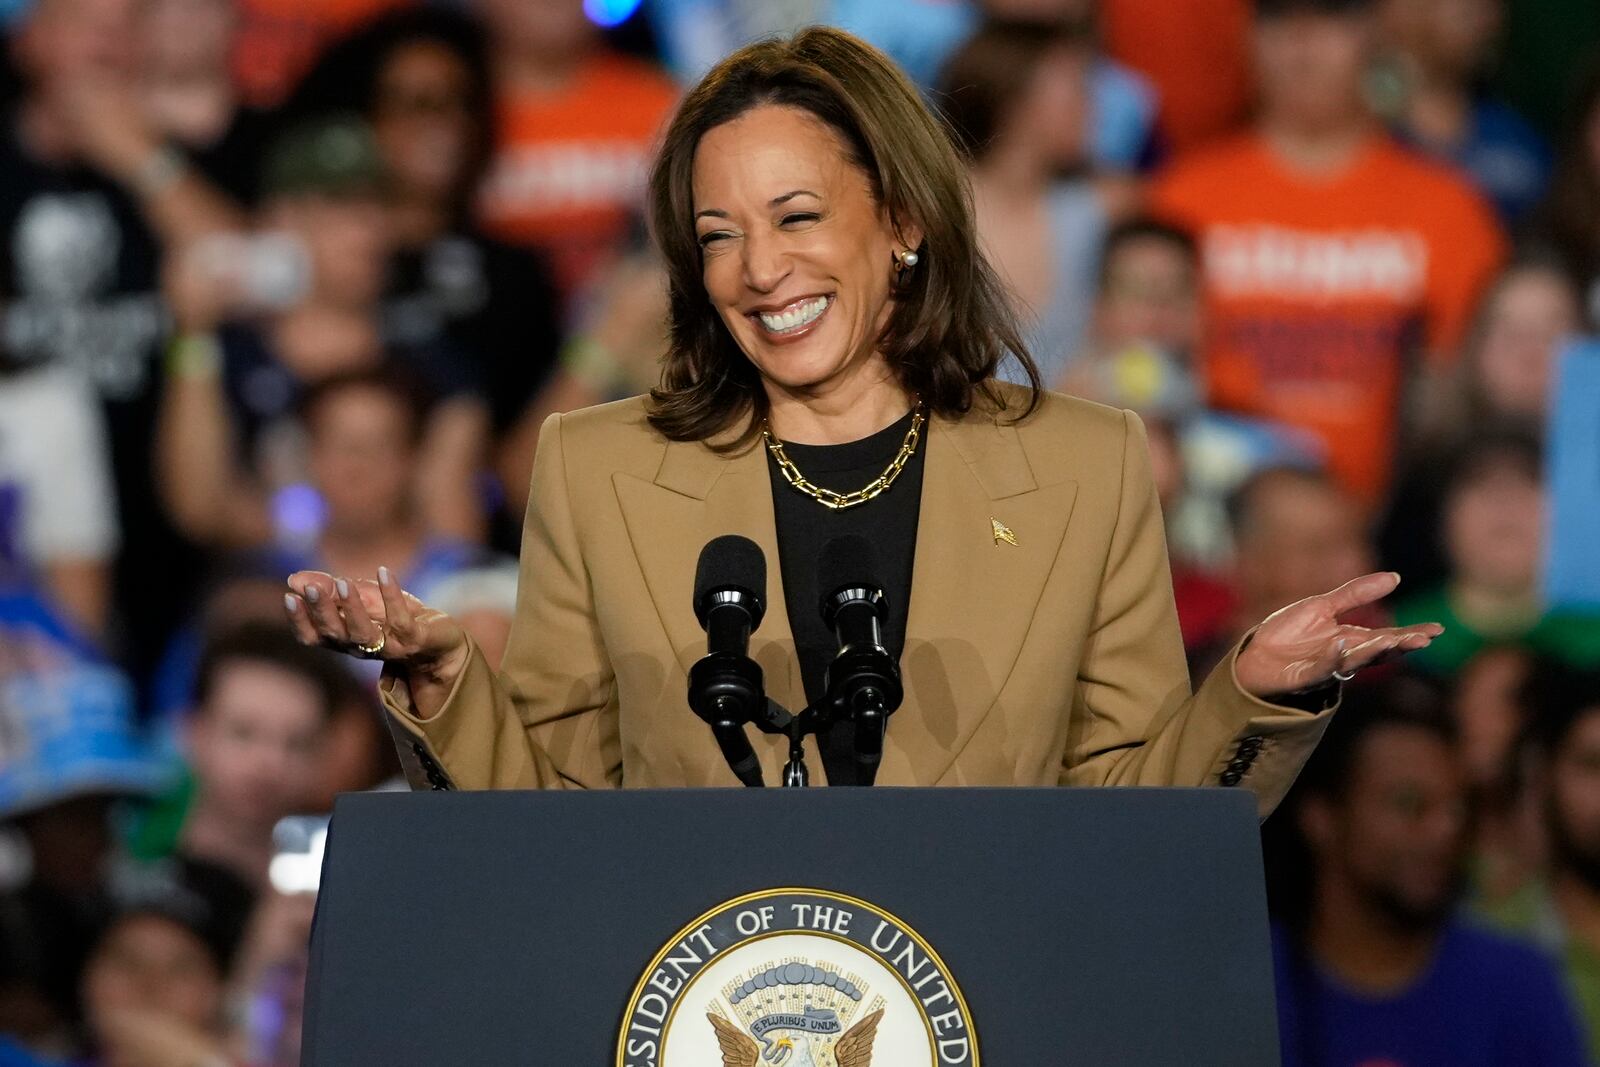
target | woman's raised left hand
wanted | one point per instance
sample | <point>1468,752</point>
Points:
<point>1302,645</point>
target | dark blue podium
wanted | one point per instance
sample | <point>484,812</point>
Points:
<point>894,927</point>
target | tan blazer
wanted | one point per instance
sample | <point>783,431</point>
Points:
<point>1054,661</point>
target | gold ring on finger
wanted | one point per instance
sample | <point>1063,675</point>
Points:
<point>376,647</point>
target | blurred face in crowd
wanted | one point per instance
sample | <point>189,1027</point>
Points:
<point>1528,316</point>
<point>64,40</point>
<point>150,963</point>
<point>1150,296</point>
<point>1448,36</point>
<point>1397,833</point>
<point>1574,799</point>
<point>797,256</point>
<point>421,120</point>
<point>345,238</point>
<point>1309,67</point>
<point>1298,536</point>
<point>1494,521</point>
<point>256,744</point>
<point>550,30</point>
<point>185,35</point>
<point>362,457</point>
<point>1488,715</point>
<point>1053,115</point>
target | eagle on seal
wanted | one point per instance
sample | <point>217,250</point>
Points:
<point>854,1048</point>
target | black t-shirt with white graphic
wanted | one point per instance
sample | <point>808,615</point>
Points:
<point>79,289</point>
<point>491,303</point>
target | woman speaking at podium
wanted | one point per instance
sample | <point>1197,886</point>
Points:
<point>835,333</point>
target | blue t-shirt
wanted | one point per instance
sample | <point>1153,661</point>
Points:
<point>1503,156</point>
<point>1485,1001</point>
<point>1055,335</point>
<point>14,1055</point>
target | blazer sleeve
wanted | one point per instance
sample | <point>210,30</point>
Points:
<point>548,718</point>
<point>1134,721</point>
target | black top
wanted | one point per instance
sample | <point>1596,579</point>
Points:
<point>491,303</point>
<point>804,526</point>
<point>80,274</point>
<point>232,162</point>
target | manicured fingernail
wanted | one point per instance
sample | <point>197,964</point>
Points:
<point>383,575</point>
<point>290,603</point>
<point>343,587</point>
<point>313,594</point>
<point>1396,576</point>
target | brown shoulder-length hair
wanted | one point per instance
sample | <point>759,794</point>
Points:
<point>951,323</point>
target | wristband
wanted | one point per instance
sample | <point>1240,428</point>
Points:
<point>160,170</point>
<point>196,356</point>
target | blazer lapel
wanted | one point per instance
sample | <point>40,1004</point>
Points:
<point>973,593</point>
<point>973,596</point>
<point>697,495</point>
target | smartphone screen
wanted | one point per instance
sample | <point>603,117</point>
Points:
<point>298,845</point>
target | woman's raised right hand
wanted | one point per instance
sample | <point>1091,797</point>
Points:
<point>378,620</point>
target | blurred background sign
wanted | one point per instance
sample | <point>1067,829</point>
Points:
<point>1573,576</point>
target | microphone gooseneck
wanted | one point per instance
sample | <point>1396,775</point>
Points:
<point>725,686</point>
<point>863,681</point>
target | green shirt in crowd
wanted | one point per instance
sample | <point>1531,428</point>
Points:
<point>154,829</point>
<point>1571,637</point>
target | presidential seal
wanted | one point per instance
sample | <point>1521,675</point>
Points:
<point>796,978</point>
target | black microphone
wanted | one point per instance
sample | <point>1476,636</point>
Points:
<point>725,685</point>
<point>863,680</point>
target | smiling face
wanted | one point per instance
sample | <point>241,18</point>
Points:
<point>797,254</point>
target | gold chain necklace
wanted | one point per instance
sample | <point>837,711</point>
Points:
<point>839,501</point>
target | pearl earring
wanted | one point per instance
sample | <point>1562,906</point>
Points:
<point>906,259</point>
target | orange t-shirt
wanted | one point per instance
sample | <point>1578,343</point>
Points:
<point>569,174</point>
<point>1319,289</point>
<point>1196,52</point>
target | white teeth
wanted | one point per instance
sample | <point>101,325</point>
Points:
<point>796,315</point>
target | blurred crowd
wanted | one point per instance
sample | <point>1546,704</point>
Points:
<point>293,284</point>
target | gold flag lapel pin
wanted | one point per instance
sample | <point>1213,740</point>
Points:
<point>1002,532</point>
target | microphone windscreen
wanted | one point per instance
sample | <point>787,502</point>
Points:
<point>846,561</point>
<point>731,560</point>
